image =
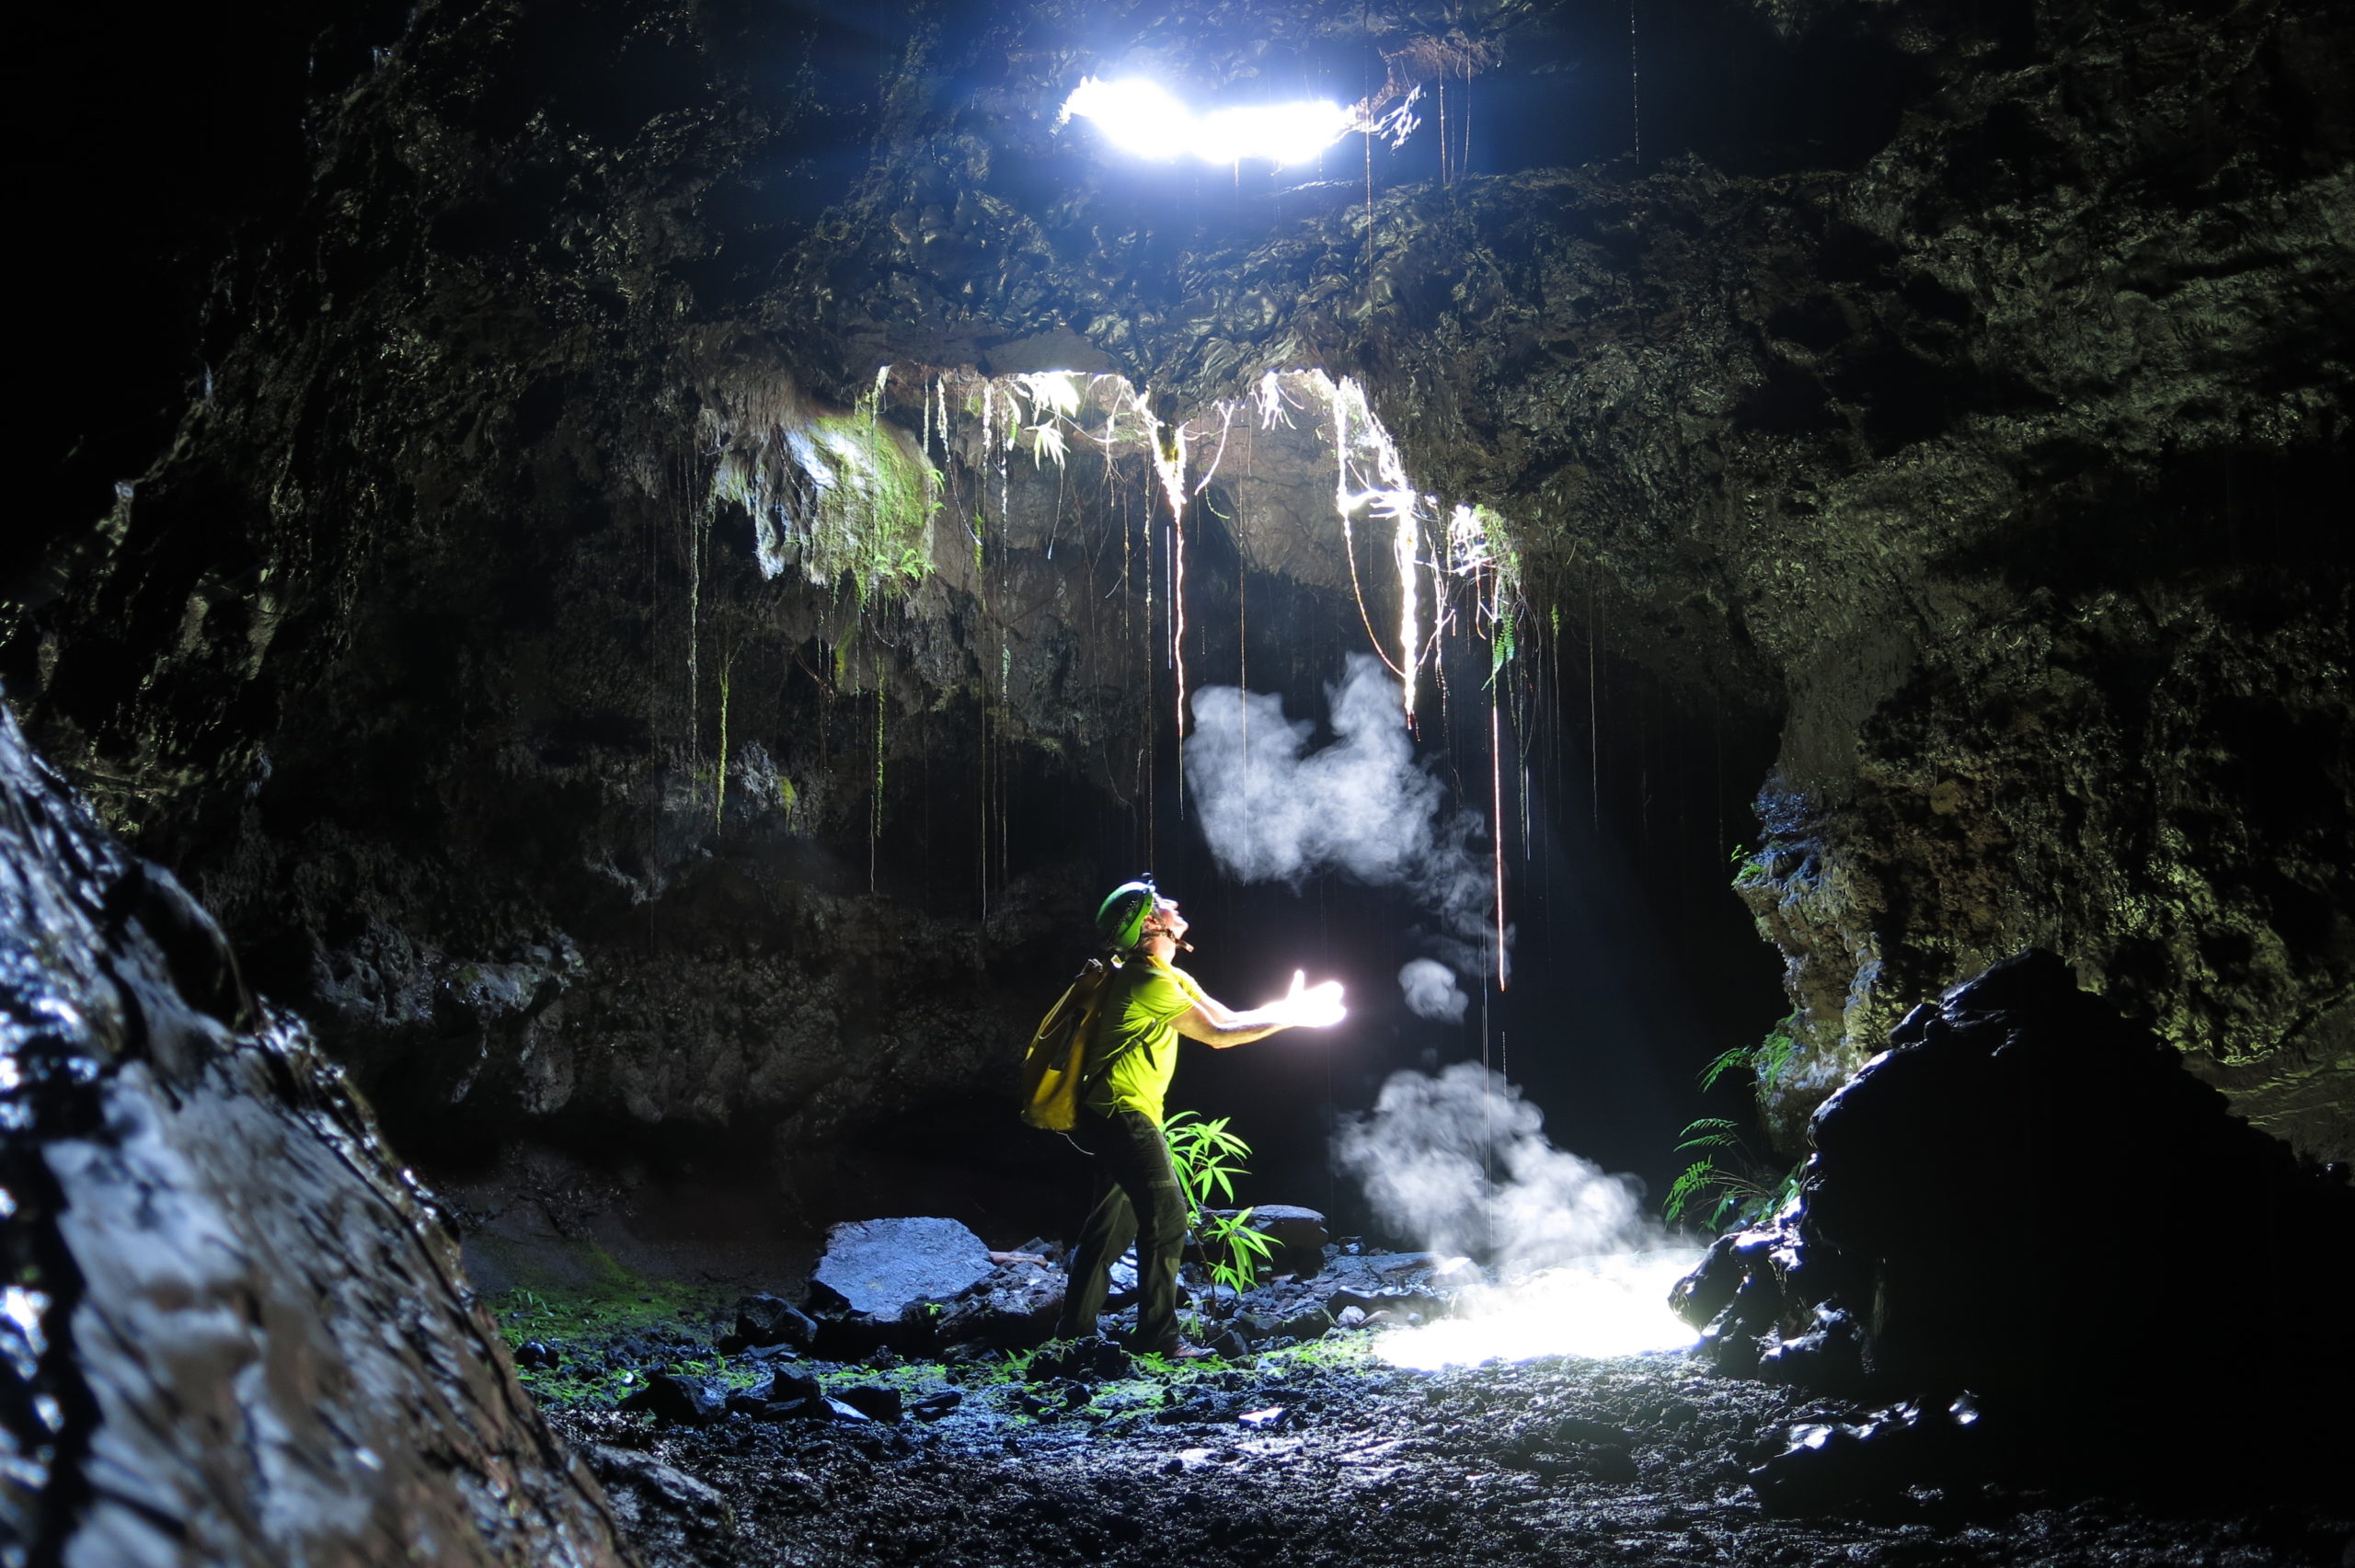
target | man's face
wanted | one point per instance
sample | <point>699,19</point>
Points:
<point>1166,919</point>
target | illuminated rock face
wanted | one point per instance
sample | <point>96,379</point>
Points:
<point>243,1336</point>
<point>1964,415</point>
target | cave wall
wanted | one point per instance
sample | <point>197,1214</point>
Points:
<point>237,1330</point>
<point>1984,425</point>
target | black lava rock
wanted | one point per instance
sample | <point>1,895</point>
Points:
<point>1086,1359</point>
<point>690,1401</point>
<point>1831,1466</point>
<point>764,1320</point>
<point>874,1402</point>
<point>2028,1197</point>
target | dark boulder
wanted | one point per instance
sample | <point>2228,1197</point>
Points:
<point>1297,1235</point>
<point>689,1402</point>
<point>675,1517</point>
<point>1089,1360</point>
<point>876,1401</point>
<point>1403,1305</point>
<point>797,1396</point>
<point>787,1387</point>
<point>1831,1466</point>
<point>764,1320</point>
<point>1310,1322</point>
<point>2029,1198</point>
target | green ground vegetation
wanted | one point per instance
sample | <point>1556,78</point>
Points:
<point>875,501</point>
<point>609,1336</point>
<point>604,1334</point>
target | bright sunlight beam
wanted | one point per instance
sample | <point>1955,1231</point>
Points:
<point>1143,119</point>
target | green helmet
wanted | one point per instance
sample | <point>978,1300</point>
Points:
<point>1121,917</point>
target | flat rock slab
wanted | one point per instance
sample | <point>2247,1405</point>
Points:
<point>883,1267</point>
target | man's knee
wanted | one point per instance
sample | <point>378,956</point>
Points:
<point>1168,1219</point>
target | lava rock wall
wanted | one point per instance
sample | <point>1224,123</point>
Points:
<point>239,1334</point>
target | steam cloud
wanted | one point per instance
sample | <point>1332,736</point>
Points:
<point>1431,990</point>
<point>1272,809</point>
<point>1425,1154</point>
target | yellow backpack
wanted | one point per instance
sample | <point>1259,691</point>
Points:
<point>1056,1061</point>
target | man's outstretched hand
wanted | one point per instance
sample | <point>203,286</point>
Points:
<point>1311,1007</point>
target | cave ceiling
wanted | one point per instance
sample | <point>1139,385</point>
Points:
<point>1961,392</point>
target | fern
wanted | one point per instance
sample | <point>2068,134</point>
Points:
<point>1710,1132</point>
<point>1207,1157</point>
<point>1740,1056</point>
<point>1767,1058</point>
<point>1741,1194</point>
<point>1695,1182</point>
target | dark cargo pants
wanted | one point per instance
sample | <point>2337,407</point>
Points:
<point>1129,1145</point>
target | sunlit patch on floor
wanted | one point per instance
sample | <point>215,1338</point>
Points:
<point>1616,1305</point>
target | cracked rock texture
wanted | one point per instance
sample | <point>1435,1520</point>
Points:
<point>239,1333</point>
<point>1971,396</point>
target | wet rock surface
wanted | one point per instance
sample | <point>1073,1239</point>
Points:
<point>2030,1206</point>
<point>237,1329</point>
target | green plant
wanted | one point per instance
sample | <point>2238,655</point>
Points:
<point>1766,1059</point>
<point>1738,1194</point>
<point>1233,1251</point>
<point>1207,1158</point>
<point>1733,1185</point>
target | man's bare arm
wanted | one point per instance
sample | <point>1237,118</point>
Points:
<point>1226,1027</point>
<point>1218,1025</point>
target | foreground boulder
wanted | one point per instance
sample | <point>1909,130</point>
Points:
<point>885,1269</point>
<point>248,1339</point>
<point>882,1282</point>
<point>2028,1201</point>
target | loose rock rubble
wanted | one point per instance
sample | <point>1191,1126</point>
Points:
<point>1304,1448</point>
<point>1641,1459</point>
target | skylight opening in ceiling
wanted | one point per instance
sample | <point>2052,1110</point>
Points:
<point>1146,121</point>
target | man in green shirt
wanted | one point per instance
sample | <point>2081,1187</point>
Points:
<point>1130,1059</point>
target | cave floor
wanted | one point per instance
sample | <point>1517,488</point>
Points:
<point>1363,1465</point>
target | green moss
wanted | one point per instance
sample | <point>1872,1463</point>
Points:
<point>1334,1351</point>
<point>875,501</point>
<point>1126,1395</point>
<point>582,1323</point>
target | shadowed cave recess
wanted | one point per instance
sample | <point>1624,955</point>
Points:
<point>643,568</point>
